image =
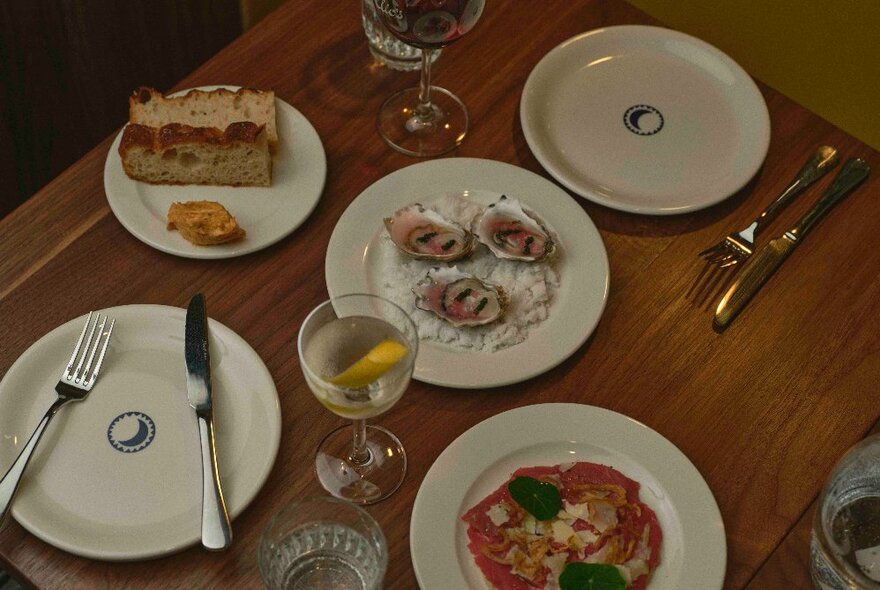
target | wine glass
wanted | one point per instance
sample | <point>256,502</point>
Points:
<point>357,354</point>
<point>428,120</point>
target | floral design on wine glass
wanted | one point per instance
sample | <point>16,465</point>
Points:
<point>428,120</point>
<point>357,353</point>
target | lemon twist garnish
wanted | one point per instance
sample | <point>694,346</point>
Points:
<point>373,365</point>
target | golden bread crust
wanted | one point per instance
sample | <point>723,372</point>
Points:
<point>175,134</point>
<point>205,108</point>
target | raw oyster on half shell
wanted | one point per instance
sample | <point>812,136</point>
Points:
<point>425,234</point>
<point>512,232</point>
<point>460,298</point>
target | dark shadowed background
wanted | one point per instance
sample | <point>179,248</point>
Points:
<point>68,66</point>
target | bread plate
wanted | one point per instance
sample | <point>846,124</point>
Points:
<point>267,214</point>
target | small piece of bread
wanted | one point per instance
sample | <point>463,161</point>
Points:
<point>200,108</point>
<point>204,223</point>
<point>180,154</point>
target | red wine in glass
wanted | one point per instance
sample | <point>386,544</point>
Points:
<point>428,120</point>
<point>430,24</point>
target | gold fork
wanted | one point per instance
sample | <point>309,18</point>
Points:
<point>738,246</point>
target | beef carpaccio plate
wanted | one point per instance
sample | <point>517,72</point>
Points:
<point>601,520</point>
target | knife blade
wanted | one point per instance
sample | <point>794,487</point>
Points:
<point>763,264</point>
<point>216,528</point>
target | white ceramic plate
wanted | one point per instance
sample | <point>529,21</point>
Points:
<point>353,264</point>
<point>95,486</point>
<point>267,214</point>
<point>693,553</point>
<point>645,119</point>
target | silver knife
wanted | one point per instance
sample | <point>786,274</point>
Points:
<point>216,529</point>
<point>763,264</point>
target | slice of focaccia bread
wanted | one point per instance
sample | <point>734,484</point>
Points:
<point>200,108</point>
<point>181,154</point>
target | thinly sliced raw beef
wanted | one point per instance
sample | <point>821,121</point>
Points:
<point>602,521</point>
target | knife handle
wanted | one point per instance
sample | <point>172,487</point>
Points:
<point>216,528</point>
<point>824,159</point>
<point>854,171</point>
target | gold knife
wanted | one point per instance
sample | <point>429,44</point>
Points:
<point>763,264</point>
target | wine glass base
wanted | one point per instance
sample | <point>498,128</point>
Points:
<point>366,483</point>
<point>431,133</point>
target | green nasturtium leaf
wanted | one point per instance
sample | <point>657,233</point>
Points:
<point>540,499</point>
<point>591,576</point>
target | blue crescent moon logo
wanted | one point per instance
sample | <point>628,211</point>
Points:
<point>123,426</point>
<point>634,115</point>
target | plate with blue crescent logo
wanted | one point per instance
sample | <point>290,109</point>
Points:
<point>118,476</point>
<point>645,120</point>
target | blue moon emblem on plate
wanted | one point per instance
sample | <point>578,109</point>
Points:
<point>643,119</point>
<point>131,432</point>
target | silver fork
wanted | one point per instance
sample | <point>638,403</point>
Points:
<point>75,384</point>
<point>738,246</point>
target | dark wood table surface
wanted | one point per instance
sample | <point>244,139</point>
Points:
<point>763,410</point>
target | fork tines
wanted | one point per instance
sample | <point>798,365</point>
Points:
<point>86,348</point>
<point>721,254</point>
<point>727,252</point>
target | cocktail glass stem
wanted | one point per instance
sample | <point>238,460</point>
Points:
<point>360,453</point>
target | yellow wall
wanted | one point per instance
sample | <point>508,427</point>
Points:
<point>824,54</point>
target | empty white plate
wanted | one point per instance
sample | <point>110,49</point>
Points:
<point>645,119</point>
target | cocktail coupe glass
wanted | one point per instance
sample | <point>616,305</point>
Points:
<point>361,463</point>
<point>428,120</point>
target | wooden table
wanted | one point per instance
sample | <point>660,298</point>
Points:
<point>763,410</point>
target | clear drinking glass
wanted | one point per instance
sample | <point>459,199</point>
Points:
<point>846,529</point>
<point>363,464</point>
<point>428,120</point>
<point>322,544</point>
<point>387,49</point>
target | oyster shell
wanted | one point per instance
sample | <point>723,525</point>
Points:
<point>460,298</point>
<point>425,234</point>
<point>512,232</point>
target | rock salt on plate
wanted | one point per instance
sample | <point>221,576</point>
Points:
<point>531,287</point>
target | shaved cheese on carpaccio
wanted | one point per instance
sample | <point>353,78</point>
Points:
<point>602,520</point>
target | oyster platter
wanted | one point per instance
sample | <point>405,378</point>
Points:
<point>489,260</point>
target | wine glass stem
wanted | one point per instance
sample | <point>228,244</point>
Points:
<point>360,454</point>
<point>424,110</point>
